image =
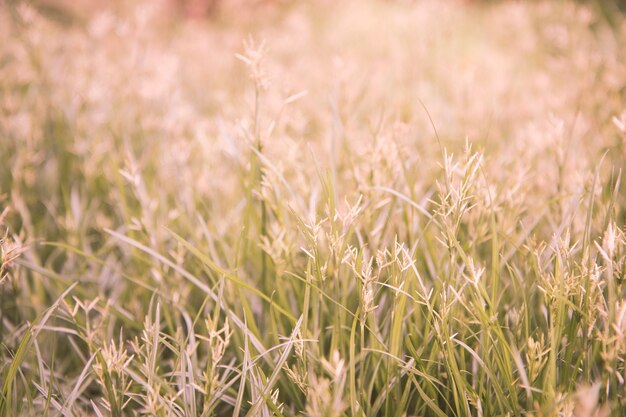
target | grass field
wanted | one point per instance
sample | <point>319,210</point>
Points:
<point>324,209</point>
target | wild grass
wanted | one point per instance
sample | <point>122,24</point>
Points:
<point>362,209</point>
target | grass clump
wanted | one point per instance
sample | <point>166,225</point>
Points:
<point>383,209</point>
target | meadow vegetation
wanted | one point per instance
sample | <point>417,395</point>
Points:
<point>322,209</point>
